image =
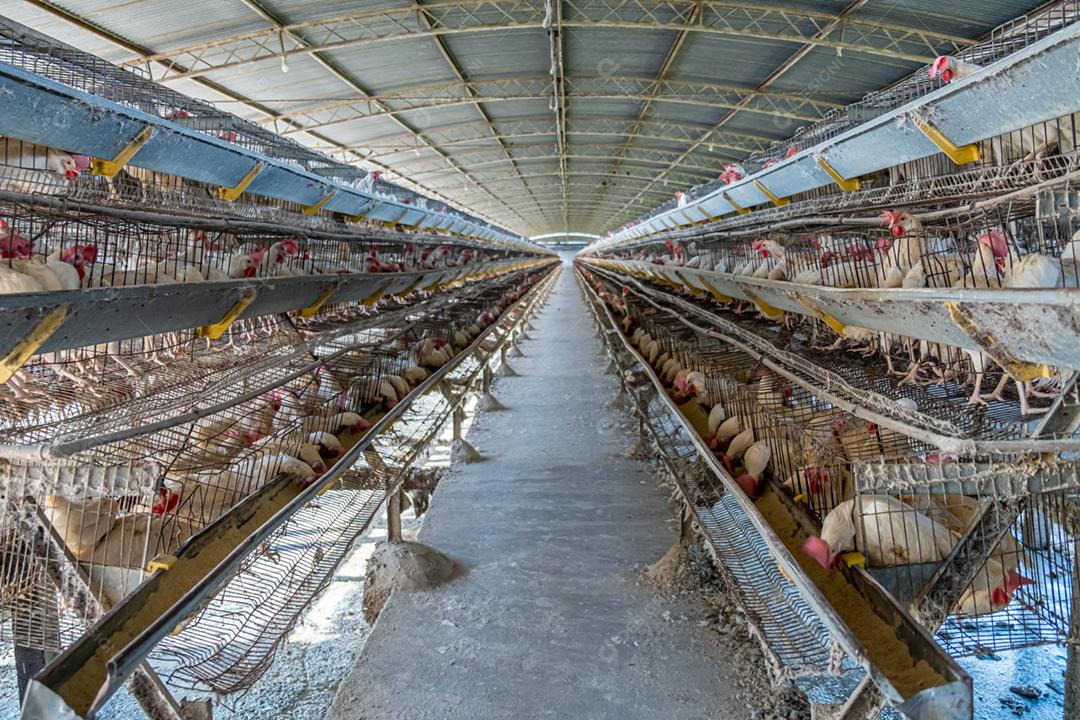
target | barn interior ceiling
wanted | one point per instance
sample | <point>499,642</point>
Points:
<point>540,116</point>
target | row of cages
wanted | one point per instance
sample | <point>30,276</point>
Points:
<point>45,175</point>
<point>32,52</point>
<point>1036,154</point>
<point>1022,245</point>
<point>987,248</point>
<point>104,251</point>
<point>863,487</point>
<point>149,441</point>
<point>1009,152</point>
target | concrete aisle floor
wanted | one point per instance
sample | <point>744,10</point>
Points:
<point>552,619</point>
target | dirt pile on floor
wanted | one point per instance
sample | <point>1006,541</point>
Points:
<point>405,567</point>
<point>674,571</point>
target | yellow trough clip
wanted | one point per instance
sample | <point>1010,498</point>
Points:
<point>360,215</point>
<point>719,296</point>
<point>1016,368</point>
<point>319,302</point>
<point>375,296</point>
<point>835,325</point>
<point>778,202</point>
<point>218,329</point>
<point>407,291</point>
<point>767,310</point>
<point>312,209</point>
<point>25,348</point>
<point>960,155</point>
<point>109,168</point>
<point>801,498</point>
<point>161,562</point>
<point>738,208</point>
<point>231,194</point>
<point>845,184</point>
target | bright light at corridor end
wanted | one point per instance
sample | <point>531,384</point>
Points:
<point>568,235</point>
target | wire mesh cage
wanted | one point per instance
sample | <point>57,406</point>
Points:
<point>893,499</point>
<point>151,440</point>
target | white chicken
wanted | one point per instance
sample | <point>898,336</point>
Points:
<point>755,462</point>
<point>885,530</point>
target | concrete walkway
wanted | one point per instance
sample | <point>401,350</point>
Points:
<point>552,619</point>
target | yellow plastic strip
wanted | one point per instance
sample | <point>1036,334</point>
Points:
<point>738,208</point>
<point>161,562</point>
<point>960,155</point>
<point>1003,356</point>
<point>319,302</point>
<point>218,329</point>
<point>720,297</point>
<point>362,214</point>
<point>231,194</point>
<point>845,184</point>
<point>778,202</point>
<point>25,348</point>
<point>767,310</point>
<point>835,325</point>
<point>109,168</point>
<point>409,289</point>
<point>375,296</point>
<point>687,285</point>
<point>312,209</point>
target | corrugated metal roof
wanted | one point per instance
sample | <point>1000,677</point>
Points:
<point>442,94</point>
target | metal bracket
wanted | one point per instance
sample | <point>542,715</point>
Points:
<point>312,209</point>
<point>960,155</point>
<point>1003,356</point>
<point>835,325</point>
<point>25,348</point>
<point>362,214</point>
<point>408,290</point>
<point>231,194</point>
<point>719,296</point>
<point>314,307</point>
<point>738,208</point>
<point>375,296</point>
<point>218,329</point>
<point>778,202</point>
<point>845,184</point>
<point>109,168</point>
<point>767,310</point>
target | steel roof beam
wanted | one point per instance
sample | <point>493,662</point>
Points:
<point>696,173</point>
<point>553,11</point>
<point>661,76</point>
<point>662,130</point>
<point>789,63</point>
<point>740,19</point>
<point>132,47</point>
<point>800,107</point>
<point>456,69</point>
<point>351,83</point>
